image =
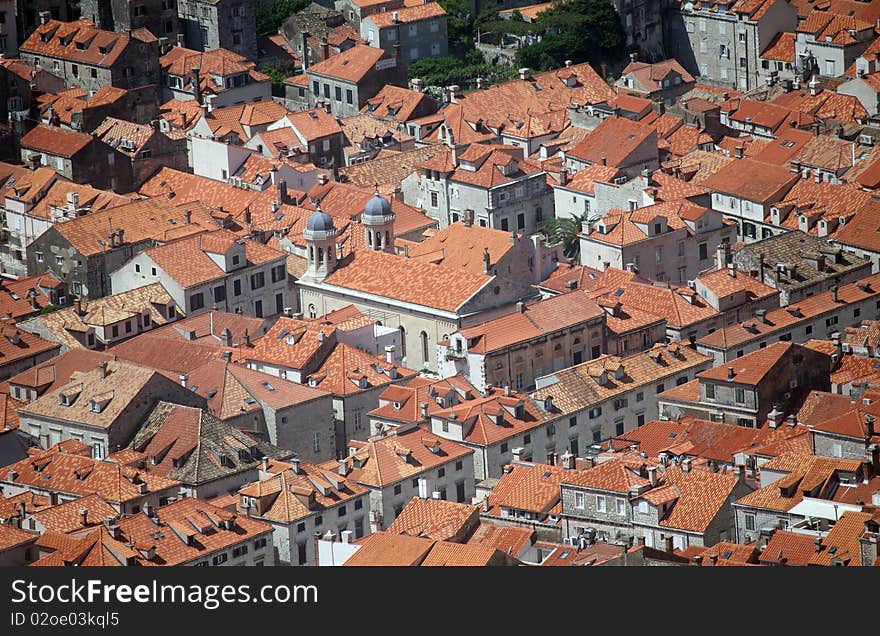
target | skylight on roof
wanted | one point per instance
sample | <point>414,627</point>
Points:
<point>537,86</point>
<point>619,293</point>
<point>268,386</point>
<point>212,393</point>
<point>673,435</point>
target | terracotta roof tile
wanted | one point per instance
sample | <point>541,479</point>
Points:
<point>435,519</point>
<point>55,141</point>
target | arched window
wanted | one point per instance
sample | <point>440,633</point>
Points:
<point>423,339</point>
<point>378,239</point>
<point>311,253</point>
<point>402,341</point>
<point>320,255</point>
<point>312,312</point>
<point>387,238</point>
<point>370,238</point>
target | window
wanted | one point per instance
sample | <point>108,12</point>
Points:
<point>857,312</point>
<point>349,96</point>
<point>301,526</point>
<point>196,301</point>
<point>301,552</point>
<point>704,251</point>
<point>459,465</point>
<point>520,221</point>
<point>220,558</point>
<point>338,93</point>
<point>594,412</point>
<point>600,503</point>
<point>597,435</point>
<point>829,68</point>
<point>527,439</point>
<point>572,422</point>
<point>258,280</point>
<point>618,427</point>
<point>259,544</point>
<point>239,551</point>
<point>621,506</point>
<point>710,391</point>
<point>316,442</point>
<point>340,511</point>
<point>579,500</point>
<point>358,504</point>
<point>219,293</point>
<point>441,473</point>
<point>434,202</point>
<point>739,396</point>
<point>327,91</point>
<point>236,288</point>
<point>115,331</point>
<point>316,88</point>
<point>660,388</point>
<point>503,448</point>
<point>319,520</point>
<point>640,396</point>
<point>398,489</point>
<point>831,321</point>
<point>750,521</point>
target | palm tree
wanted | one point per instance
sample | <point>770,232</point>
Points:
<point>565,230</point>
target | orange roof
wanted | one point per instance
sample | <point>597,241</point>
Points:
<point>351,65</point>
<point>781,47</point>
<point>651,76</point>
<point>188,262</point>
<point>842,544</point>
<point>389,549</point>
<point>613,141</point>
<point>157,218</point>
<point>777,320</point>
<point>528,487</point>
<point>55,141</point>
<point>722,284</point>
<point>401,455</point>
<point>77,514</point>
<point>406,15</point>
<point>751,368</point>
<point>74,474</point>
<point>435,519</point>
<point>788,548</point>
<point>81,41</point>
<point>536,320</point>
<point>753,180</point>
<point>614,475</point>
<point>407,280</point>
<point>221,62</point>
<point>402,403</point>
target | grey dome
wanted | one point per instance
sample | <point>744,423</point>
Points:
<point>377,207</point>
<point>320,221</point>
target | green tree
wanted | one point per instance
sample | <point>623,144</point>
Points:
<point>577,30</point>
<point>566,230</point>
<point>459,25</point>
<point>271,15</point>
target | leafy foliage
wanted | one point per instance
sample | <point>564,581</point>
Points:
<point>459,25</point>
<point>271,15</point>
<point>445,71</point>
<point>279,71</point>
<point>565,230</point>
<point>578,30</point>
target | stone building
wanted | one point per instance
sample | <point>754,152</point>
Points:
<point>772,380</point>
<point>157,16</point>
<point>722,42</point>
<point>89,58</point>
<point>417,32</point>
<point>219,24</point>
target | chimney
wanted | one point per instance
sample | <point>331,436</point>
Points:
<point>652,475</point>
<point>713,558</point>
<point>568,63</point>
<point>247,216</point>
<point>323,178</point>
<point>817,542</point>
<point>34,160</point>
<point>480,83</point>
<point>738,152</point>
<point>506,390</point>
<point>294,465</point>
<point>834,293</point>
<point>197,87</point>
<point>325,48</point>
<point>282,192</point>
<point>45,16</point>
<point>670,544</point>
<point>486,260</point>
<point>730,373</point>
<point>698,560</point>
<point>417,85</point>
<point>869,425</point>
<point>467,217</point>
<point>397,50</point>
<point>103,367</point>
<point>563,177</point>
<point>389,354</point>
<point>226,337</point>
<point>603,160</point>
<point>525,73</point>
<point>686,465</point>
<point>435,494</point>
<point>184,379</point>
<point>423,410</point>
<point>731,270</point>
<point>633,58</point>
<point>761,315</point>
<point>84,517</point>
<point>187,216</point>
<point>343,468</point>
<point>521,307</point>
